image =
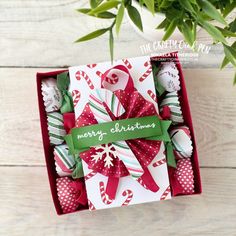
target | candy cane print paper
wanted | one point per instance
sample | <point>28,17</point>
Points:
<point>86,79</point>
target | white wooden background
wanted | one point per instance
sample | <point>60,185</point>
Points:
<point>38,36</point>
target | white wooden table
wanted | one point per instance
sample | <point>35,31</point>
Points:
<point>37,36</point>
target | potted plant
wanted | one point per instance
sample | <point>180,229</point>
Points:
<point>182,15</point>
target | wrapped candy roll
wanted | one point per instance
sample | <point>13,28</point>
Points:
<point>184,176</point>
<point>65,163</point>
<point>51,95</point>
<point>168,77</point>
<point>56,128</point>
<point>181,140</point>
<point>172,101</point>
<point>71,194</point>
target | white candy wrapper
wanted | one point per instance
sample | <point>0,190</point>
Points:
<point>181,139</point>
<point>51,95</point>
<point>168,77</point>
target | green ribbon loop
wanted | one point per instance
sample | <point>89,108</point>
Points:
<point>170,155</point>
<point>63,82</point>
<point>78,171</point>
<point>160,89</point>
<point>67,102</point>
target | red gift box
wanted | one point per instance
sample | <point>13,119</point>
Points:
<point>48,149</point>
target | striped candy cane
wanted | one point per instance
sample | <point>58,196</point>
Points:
<point>90,175</point>
<point>96,100</point>
<point>127,63</point>
<point>147,63</point>
<point>91,206</point>
<point>99,73</point>
<point>165,193</point>
<point>142,183</point>
<point>91,65</point>
<point>152,95</point>
<point>160,162</point>
<point>111,80</point>
<point>76,97</point>
<point>146,74</point>
<point>81,74</point>
<point>104,196</point>
<point>129,197</point>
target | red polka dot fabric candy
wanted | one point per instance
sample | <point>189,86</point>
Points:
<point>184,175</point>
<point>71,194</point>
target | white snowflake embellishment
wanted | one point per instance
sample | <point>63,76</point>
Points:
<point>106,152</point>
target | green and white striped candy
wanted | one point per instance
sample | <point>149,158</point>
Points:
<point>181,140</point>
<point>56,129</point>
<point>172,101</point>
<point>65,163</point>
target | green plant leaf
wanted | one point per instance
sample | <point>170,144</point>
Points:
<point>234,79</point>
<point>228,8</point>
<point>84,10</point>
<point>194,31</point>
<point>170,29</point>
<point>211,11</point>
<point>111,44</point>
<point>224,62</point>
<point>119,18</point>
<point>92,35</point>
<point>212,30</point>
<point>188,33</point>
<point>164,4</point>
<point>230,53</point>
<point>105,6</point>
<point>163,24</point>
<point>93,3</point>
<point>135,16</point>
<point>232,26</point>
<point>226,33</point>
<point>150,5</point>
<point>103,15</point>
<point>186,4</point>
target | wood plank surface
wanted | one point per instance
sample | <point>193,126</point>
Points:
<point>41,33</point>
<point>212,100</point>
<point>27,209</point>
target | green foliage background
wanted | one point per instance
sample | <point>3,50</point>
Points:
<point>185,15</point>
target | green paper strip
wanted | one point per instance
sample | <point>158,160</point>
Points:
<point>67,102</point>
<point>150,127</point>
<point>63,82</point>
<point>78,171</point>
<point>160,89</point>
<point>170,155</point>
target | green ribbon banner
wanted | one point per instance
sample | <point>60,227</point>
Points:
<point>149,127</point>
